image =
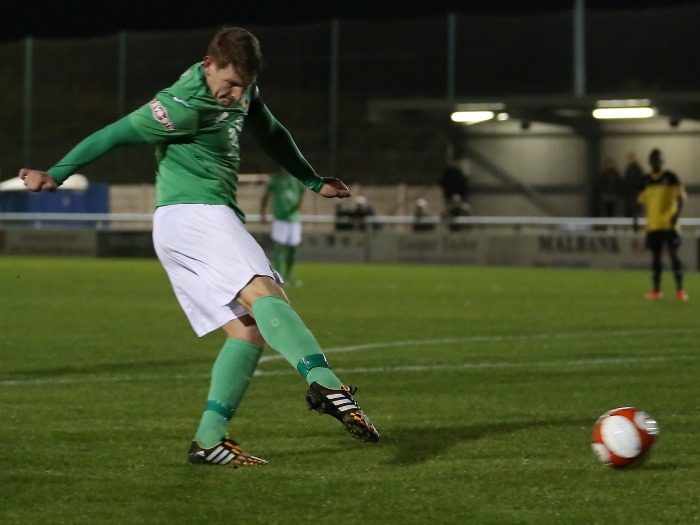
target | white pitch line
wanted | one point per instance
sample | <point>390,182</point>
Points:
<point>503,365</point>
<point>492,339</point>
<point>406,368</point>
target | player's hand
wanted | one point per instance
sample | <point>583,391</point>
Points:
<point>333,187</point>
<point>36,180</point>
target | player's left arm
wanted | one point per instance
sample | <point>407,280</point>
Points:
<point>279,145</point>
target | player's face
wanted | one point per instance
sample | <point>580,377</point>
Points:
<point>656,161</point>
<point>226,84</point>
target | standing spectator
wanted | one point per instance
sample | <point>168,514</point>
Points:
<point>219,273</point>
<point>663,196</point>
<point>610,183</point>
<point>453,181</point>
<point>287,194</point>
<point>631,185</point>
<point>457,208</point>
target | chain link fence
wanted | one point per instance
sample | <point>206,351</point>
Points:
<point>319,79</point>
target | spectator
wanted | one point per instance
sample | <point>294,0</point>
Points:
<point>453,181</point>
<point>631,185</point>
<point>360,211</point>
<point>610,183</point>
<point>457,208</point>
<point>343,222</point>
<point>422,217</point>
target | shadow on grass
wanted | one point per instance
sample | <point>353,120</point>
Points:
<point>417,445</point>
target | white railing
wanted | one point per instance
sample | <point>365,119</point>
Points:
<point>143,221</point>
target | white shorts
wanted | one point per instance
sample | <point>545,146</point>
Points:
<point>209,257</point>
<point>287,233</point>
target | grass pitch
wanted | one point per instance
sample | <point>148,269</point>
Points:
<point>484,382</point>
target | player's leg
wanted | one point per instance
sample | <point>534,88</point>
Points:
<point>674,244</point>
<point>279,260</point>
<point>293,241</point>
<point>655,246</point>
<point>220,274</point>
<point>230,377</point>
<point>656,268</point>
<point>286,333</point>
<point>279,252</point>
<point>290,257</point>
<point>196,258</point>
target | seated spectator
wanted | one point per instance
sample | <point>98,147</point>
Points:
<point>342,218</point>
<point>359,212</point>
<point>454,181</point>
<point>422,217</point>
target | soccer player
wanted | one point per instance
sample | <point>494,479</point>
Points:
<point>286,194</point>
<point>219,273</point>
<point>662,195</point>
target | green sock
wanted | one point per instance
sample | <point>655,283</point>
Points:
<point>230,377</point>
<point>286,333</point>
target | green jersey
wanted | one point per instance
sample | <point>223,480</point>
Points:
<point>286,193</point>
<point>197,143</point>
<point>196,139</point>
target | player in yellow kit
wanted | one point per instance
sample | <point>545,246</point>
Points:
<point>662,195</point>
<point>219,273</point>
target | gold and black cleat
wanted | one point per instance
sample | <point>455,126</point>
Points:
<point>342,405</point>
<point>226,452</point>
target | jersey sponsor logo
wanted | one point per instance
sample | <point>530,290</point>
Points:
<point>161,114</point>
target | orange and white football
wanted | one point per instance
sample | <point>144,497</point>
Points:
<point>623,437</point>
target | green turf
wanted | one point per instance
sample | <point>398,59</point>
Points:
<point>484,382</point>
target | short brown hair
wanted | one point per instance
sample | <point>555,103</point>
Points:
<point>238,47</point>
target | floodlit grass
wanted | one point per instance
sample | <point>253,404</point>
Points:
<point>484,382</point>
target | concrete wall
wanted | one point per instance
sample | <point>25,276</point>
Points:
<point>585,249</point>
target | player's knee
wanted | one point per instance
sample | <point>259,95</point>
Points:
<point>245,329</point>
<point>260,286</point>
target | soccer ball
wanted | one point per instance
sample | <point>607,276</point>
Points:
<point>624,436</point>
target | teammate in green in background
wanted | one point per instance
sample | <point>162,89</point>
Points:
<point>219,273</point>
<point>287,194</point>
<point>662,195</point>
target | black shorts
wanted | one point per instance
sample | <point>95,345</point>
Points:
<point>656,240</point>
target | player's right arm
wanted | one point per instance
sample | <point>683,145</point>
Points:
<point>153,123</point>
<point>119,133</point>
